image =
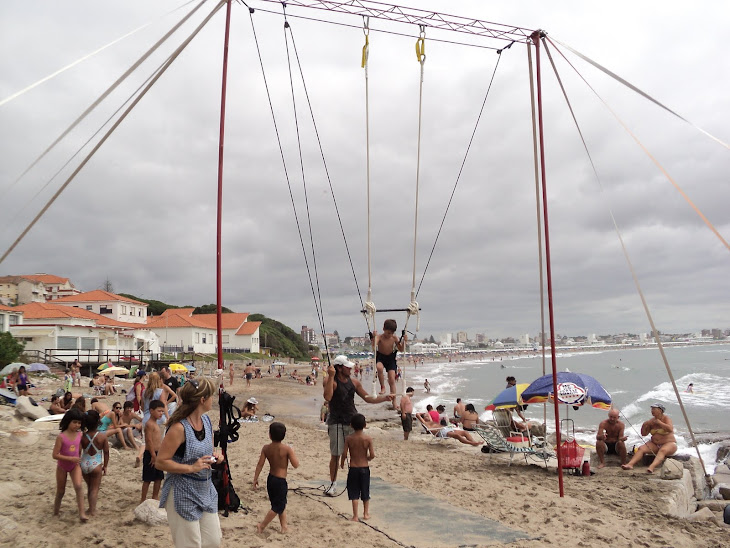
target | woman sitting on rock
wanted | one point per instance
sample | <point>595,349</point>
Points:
<point>662,444</point>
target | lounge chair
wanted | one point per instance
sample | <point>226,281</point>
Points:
<point>497,443</point>
<point>434,433</point>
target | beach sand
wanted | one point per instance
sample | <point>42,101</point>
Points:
<point>611,508</point>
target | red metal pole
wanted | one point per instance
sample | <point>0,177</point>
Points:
<point>536,40</point>
<point>219,323</point>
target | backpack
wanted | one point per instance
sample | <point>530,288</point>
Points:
<point>234,502</point>
<point>132,394</point>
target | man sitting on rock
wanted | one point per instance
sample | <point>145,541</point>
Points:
<point>610,438</point>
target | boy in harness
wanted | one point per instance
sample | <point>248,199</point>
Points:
<point>387,346</point>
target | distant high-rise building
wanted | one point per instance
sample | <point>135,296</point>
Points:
<point>461,337</point>
<point>309,336</point>
<point>480,338</point>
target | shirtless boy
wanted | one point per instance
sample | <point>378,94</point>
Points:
<point>387,346</point>
<point>279,457</point>
<point>610,438</point>
<point>406,412</point>
<point>361,450</point>
<point>152,441</point>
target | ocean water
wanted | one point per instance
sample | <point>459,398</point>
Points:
<point>635,378</point>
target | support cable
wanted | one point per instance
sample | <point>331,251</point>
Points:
<point>87,56</point>
<point>369,309</point>
<point>413,309</point>
<point>637,90</point>
<point>88,157</point>
<point>630,264</point>
<point>19,212</point>
<point>651,157</point>
<point>324,163</point>
<point>539,217</point>
<point>283,161</point>
<point>461,169</point>
<point>313,283</point>
<point>108,91</point>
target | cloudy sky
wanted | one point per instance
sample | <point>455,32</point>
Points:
<point>142,213</point>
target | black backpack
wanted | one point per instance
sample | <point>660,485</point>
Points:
<point>234,502</point>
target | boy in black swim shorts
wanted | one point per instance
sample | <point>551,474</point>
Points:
<point>361,450</point>
<point>387,347</point>
<point>279,457</point>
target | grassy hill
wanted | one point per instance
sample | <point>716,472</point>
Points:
<point>282,340</point>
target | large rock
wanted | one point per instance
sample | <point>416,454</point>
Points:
<point>680,501</point>
<point>149,512</point>
<point>714,505</point>
<point>671,470</point>
<point>702,489</point>
<point>24,407</point>
<point>703,514</point>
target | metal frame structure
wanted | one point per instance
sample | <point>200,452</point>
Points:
<point>414,16</point>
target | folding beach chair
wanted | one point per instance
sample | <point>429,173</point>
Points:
<point>497,443</point>
<point>434,433</point>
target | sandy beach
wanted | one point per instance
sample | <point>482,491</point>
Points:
<point>612,507</point>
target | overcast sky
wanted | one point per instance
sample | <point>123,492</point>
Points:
<point>142,213</point>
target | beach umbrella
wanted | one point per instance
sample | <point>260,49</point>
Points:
<point>573,389</point>
<point>9,368</point>
<point>509,397</point>
<point>178,368</point>
<point>103,366</point>
<point>315,359</point>
<point>116,370</point>
<point>38,367</point>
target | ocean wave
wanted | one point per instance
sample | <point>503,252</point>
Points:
<point>710,391</point>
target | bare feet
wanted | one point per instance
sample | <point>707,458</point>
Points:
<point>259,529</point>
<point>84,518</point>
<point>601,465</point>
<point>354,518</point>
<point>649,471</point>
<point>136,462</point>
<point>284,530</point>
<point>627,467</point>
<point>366,516</point>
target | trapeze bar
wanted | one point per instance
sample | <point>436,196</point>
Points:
<point>390,310</point>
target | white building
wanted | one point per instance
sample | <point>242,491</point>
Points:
<point>67,332</point>
<point>110,305</point>
<point>9,317</point>
<point>178,327</point>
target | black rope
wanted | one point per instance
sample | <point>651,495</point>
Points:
<point>299,491</point>
<point>461,169</point>
<point>326,170</point>
<point>283,160</point>
<point>315,292</point>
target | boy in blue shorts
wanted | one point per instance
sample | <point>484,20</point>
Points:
<point>361,450</point>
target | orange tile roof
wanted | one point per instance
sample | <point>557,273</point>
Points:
<point>176,318</point>
<point>46,278</point>
<point>97,295</point>
<point>36,311</point>
<point>249,328</point>
<point>9,309</point>
<point>177,312</point>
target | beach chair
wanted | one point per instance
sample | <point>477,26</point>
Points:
<point>497,443</point>
<point>433,433</point>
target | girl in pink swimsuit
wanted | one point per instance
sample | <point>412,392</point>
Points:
<point>66,452</point>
